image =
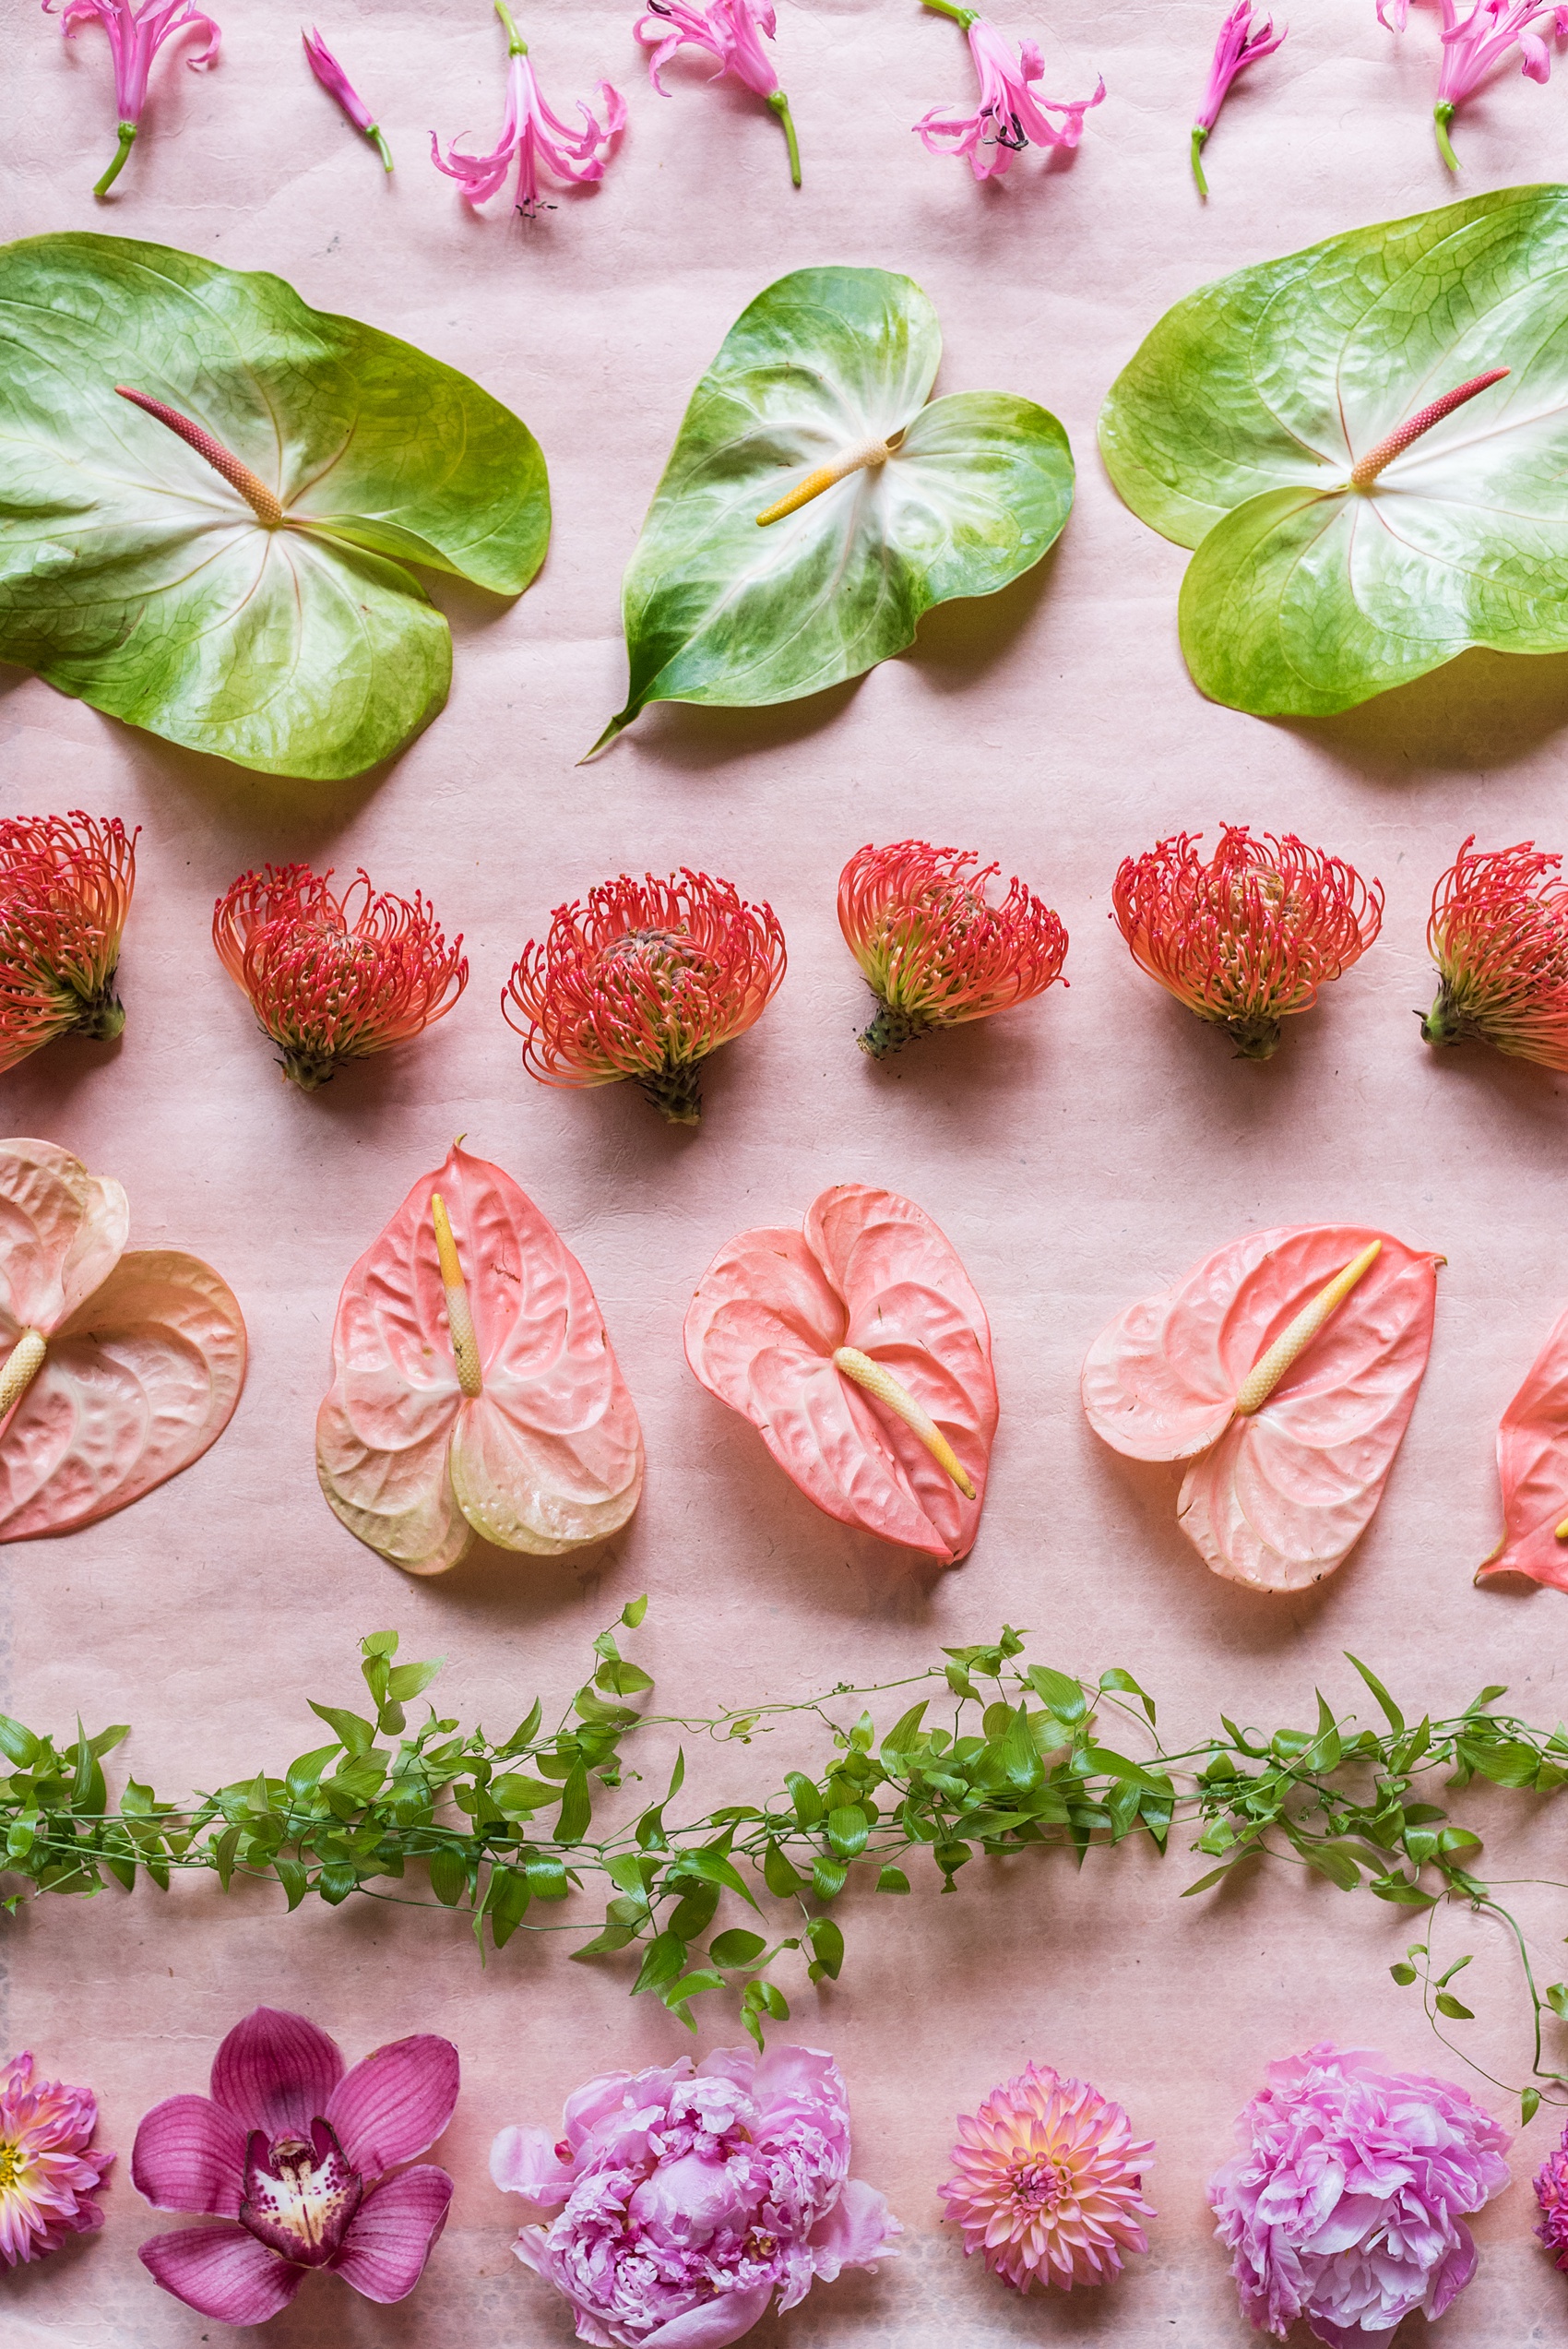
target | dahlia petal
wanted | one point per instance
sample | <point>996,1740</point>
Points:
<point>395,2103</point>
<point>276,2071</point>
<point>222,2272</point>
<point>190,2155</point>
<point>392,2233</point>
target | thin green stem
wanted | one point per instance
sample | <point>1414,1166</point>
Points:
<point>1200,137</point>
<point>780,106</point>
<point>516,45</point>
<point>1443,115</point>
<point>127,141</point>
<point>377,138</point>
<point>960,15</point>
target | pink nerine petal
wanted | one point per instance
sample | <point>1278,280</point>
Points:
<point>276,2071</point>
<point>391,2235</point>
<point>524,2161</point>
<point>857,2230</point>
<point>395,2103</point>
<point>222,2272</point>
<point>190,2155</point>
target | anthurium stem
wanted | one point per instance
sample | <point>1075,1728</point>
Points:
<point>1200,138</point>
<point>22,1366</point>
<point>262,501</point>
<point>864,454</point>
<point>864,1372</point>
<point>1365,470</point>
<point>127,141</point>
<point>1443,115</point>
<point>781,106</point>
<point>1266,1375</point>
<point>460,1313</point>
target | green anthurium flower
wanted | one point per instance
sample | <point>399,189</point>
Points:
<point>211,491</point>
<point>1367,445</point>
<point>815,504</point>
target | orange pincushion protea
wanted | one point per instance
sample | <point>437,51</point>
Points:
<point>1050,2182</point>
<point>934,950</point>
<point>1250,936</point>
<point>65,885</point>
<point>331,980</point>
<point>1499,936</point>
<point>645,981</point>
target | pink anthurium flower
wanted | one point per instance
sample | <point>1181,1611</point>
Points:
<point>336,82</point>
<point>731,30</point>
<point>137,33</point>
<point>860,1351</point>
<point>1285,1368</point>
<point>1241,43</point>
<point>1532,1467</point>
<point>1010,112</point>
<point>293,2157</point>
<point>116,1370</point>
<point>474,1388</point>
<point>1472,46</point>
<point>532,132</point>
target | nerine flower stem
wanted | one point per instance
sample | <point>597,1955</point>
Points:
<point>127,141</point>
<point>960,15</point>
<point>1443,115</point>
<point>781,106</point>
<point>1200,138</point>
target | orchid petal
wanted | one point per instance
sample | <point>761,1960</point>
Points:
<point>276,2071</point>
<point>222,2272</point>
<point>395,2104</point>
<point>190,2155</point>
<point>392,2234</point>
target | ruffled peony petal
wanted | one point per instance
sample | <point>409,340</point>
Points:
<point>713,2326</point>
<point>395,2104</point>
<point>859,2230</point>
<point>391,2233</point>
<point>523,2161</point>
<point>276,2071</point>
<point>190,2155</point>
<point>222,2272</point>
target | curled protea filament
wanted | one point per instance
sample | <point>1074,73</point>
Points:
<point>935,951</point>
<point>65,888</point>
<point>1499,936</point>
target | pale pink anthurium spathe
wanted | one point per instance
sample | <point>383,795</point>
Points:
<point>116,1370</point>
<point>1285,1368</point>
<point>860,1351</point>
<point>1532,1466</point>
<point>474,1388</point>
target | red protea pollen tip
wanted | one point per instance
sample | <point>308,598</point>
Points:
<point>935,951</point>
<point>644,981</point>
<point>1499,936</point>
<point>66,888</point>
<point>1248,937</point>
<point>1365,470</point>
<point>263,502</point>
<point>333,979</point>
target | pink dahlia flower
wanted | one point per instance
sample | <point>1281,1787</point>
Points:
<point>692,2196</point>
<point>731,31</point>
<point>1010,114</point>
<point>1346,2205</point>
<point>49,2167</point>
<point>1050,2182</point>
<point>1552,2193</point>
<point>291,2156</point>
<point>137,33</point>
<point>534,133</point>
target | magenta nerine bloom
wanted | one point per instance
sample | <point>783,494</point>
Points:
<point>336,82</point>
<point>1009,113</point>
<point>135,36</point>
<point>1347,2203</point>
<point>1241,43</point>
<point>1552,2193</point>
<point>49,2167</point>
<point>291,2155</point>
<point>731,31</point>
<point>691,2197</point>
<point>536,136</point>
<point>1472,46</point>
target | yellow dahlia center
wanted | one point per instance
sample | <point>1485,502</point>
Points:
<point>13,2162</point>
<point>1035,2181</point>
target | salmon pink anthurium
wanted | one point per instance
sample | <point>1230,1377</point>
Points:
<point>118,1370</point>
<point>1474,44</point>
<point>534,133</point>
<point>138,31</point>
<point>474,1389</point>
<point>1285,1368</point>
<point>50,2168</point>
<point>1532,1468</point>
<point>731,31</point>
<point>299,2160</point>
<point>860,1351</point>
<point>1010,112</point>
<point>1241,43</point>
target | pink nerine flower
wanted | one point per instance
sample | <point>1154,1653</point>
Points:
<point>692,2196</point>
<point>49,2167</point>
<point>1552,2193</point>
<point>1472,46</point>
<point>1346,2205</point>
<point>336,82</point>
<point>536,135</point>
<point>1009,114</point>
<point>135,36</point>
<point>1050,2182</point>
<point>291,2156</point>
<point>731,30</point>
<point>1241,43</point>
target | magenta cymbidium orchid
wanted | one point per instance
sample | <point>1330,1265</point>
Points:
<point>135,36</point>
<point>1009,113</point>
<point>336,82</point>
<point>1472,46</point>
<point>532,132</point>
<point>731,31</point>
<point>1241,43</point>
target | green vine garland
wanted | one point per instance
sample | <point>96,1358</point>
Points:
<point>1023,1765</point>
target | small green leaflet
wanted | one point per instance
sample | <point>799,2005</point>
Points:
<point>134,578</point>
<point>722,612</point>
<point>1233,429</point>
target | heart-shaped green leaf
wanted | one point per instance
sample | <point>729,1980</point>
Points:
<point>1237,424</point>
<point>823,364</point>
<point>135,577</point>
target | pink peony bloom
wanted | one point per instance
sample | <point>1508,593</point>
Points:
<point>49,2167</point>
<point>1552,2193</point>
<point>290,2154</point>
<point>1241,43</point>
<point>692,2196</point>
<point>135,36</point>
<point>336,82</point>
<point>1472,46</point>
<point>1050,2182</point>
<point>536,135</point>
<point>1010,115</point>
<point>1346,2203</point>
<point>731,30</point>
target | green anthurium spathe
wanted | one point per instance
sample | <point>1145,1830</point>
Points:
<point>256,608</point>
<point>815,505</point>
<point>1367,444</point>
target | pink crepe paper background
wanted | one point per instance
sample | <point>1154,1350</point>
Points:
<point>1077,1153</point>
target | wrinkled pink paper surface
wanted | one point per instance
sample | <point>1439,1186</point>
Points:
<point>1078,1153</point>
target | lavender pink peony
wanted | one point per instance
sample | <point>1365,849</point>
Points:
<point>692,2195</point>
<point>1347,2203</point>
<point>1552,2194</point>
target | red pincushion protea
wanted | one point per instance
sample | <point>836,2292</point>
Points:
<point>934,950</point>
<point>1250,936</point>
<point>1499,936</point>
<point>645,981</point>
<point>331,980</point>
<point>66,884</point>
